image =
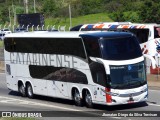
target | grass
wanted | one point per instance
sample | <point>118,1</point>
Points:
<point>1,44</point>
<point>92,18</point>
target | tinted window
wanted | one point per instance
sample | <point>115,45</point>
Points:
<point>58,74</point>
<point>65,46</point>
<point>157,32</point>
<point>120,48</point>
<point>92,46</point>
<point>98,73</point>
<point>141,34</point>
<point>127,76</point>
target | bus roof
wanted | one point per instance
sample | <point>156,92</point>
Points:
<point>108,34</point>
<point>116,25</point>
<point>46,34</point>
<point>67,34</point>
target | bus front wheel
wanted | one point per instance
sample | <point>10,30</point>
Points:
<point>29,91</point>
<point>88,99</point>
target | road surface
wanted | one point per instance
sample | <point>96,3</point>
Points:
<point>59,108</point>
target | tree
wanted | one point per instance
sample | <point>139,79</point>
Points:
<point>123,10</point>
<point>50,8</point>
<point>90,6</point>
<point>150,12</point>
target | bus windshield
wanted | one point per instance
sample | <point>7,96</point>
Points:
<point>127,76</point>
<point>120,48</point>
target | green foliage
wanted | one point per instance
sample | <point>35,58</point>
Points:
<point>124,10</point>
<point>150,11</point>
<point>50,8</point>
<point>92,18</point>
<point>1,44</point>
<point>131,16</point>
<point>3,13</point>
<point>57,11</point>
<point>90,6</point>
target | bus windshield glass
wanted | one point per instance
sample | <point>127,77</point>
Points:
<point>120,48</point>
<point>127,76</point>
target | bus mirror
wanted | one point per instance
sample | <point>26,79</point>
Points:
<point>153,61</point>
<point>93,59</point>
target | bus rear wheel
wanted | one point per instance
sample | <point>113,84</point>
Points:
<point>88,99</point>
<point>29,91</point>
<point>21,90</point>
<point>77,98</point>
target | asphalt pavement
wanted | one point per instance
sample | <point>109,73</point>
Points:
<point>65,109</point>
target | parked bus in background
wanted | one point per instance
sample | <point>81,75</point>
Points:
<point>147,34</point>
<point>85,67</point>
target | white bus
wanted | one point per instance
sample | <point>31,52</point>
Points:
<point>101,67</point>
<point>147,34</point>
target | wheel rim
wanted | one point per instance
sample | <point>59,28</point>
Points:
<point>21,89</point>
<point>88,99</point>
<point>29,90</point>
<point>77,97</point>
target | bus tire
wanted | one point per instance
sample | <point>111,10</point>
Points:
<point>21,90</point>
<point>29,91</point>
<point>88,99</point>
<point>76,97</point>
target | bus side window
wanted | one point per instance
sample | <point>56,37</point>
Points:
<point>156,32</point>
<point>62,46</point>
<point>92,47</point>
<point>10,44</point>
<point>141,34</point>
<point>100,78</point>
<point>98,73</point>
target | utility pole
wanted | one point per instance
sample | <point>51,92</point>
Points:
<point>14,13</point>
<point>26,6</point>
<point>34,6</point>
<point>70,16</point>
<point>9,16</point>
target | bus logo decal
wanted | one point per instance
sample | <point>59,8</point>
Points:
<point>129,67</point>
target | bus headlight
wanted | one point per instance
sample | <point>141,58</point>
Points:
<point>110,93</point>
<point>114,94</point>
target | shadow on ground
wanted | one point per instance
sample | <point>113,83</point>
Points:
<point>96,107</point>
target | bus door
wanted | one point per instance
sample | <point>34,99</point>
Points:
<point>101,93</point>
<point>99,77</point>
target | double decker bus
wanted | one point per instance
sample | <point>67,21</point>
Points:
<point>148,36</point>
<point>100,67</point>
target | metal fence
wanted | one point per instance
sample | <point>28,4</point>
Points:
<point>36,28</point>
